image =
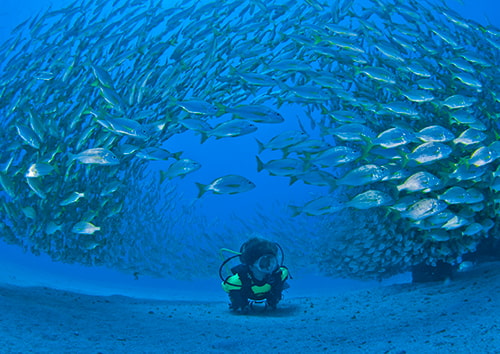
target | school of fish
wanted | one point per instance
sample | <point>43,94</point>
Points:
<point>401,100</point>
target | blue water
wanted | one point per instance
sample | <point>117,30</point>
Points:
<point>219,157</point>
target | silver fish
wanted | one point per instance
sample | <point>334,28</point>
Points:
<point>230,184</point>
<point>99,156</point>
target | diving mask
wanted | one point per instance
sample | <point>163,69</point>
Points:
<point>267,263</point>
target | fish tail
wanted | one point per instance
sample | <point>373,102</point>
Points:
<point>177,155</point>
<point>295,210</point>
<point>71,157</point>
<point>405,160</point>
<point>317,39</point>
<point>204,137</point>
<point>332,186</point>
<point>221,109</point>
<point>260,145</point>
<point>202,188</point>
<point>260,164</point>
<point>367,146</point>
<point>163,176</point>
<point>307,161</point>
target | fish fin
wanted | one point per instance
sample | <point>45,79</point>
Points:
<point>221,109</point>
<point>301,126</point>
<point>405,159</point>
<point>366,147</point>
<point>71,157</point>
<point>307,161</point>
<point>317,38</point>
<point>163,176</point>
<point>260,164</point>
<point>177,155</point>
<point>295,210</point>
<point>260,145</point>
<point>204,137</point>
<point>202,189</point>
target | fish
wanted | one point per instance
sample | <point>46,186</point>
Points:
<point>465,266</point>
<point>229,184</point>
<point>157,154</point>
<point>52,227</point>
<point>335,156</point>
<point>320,206</point>
<point>316,178</point>
<point>365,174</point>
<point>8,185</point>
<point>421,181</point>
<point>102,76</point>
<point>39,169</point>
<point>256,113</point>
<point>195,124</point>
<point>424,208</point>
<point>85,227</point>
<point>458,101</point>
<point>454,195</point>
<point>71,198</point>
<point>125,126</point>
<point>283,140</point>
<point>469,137</point>
<point>379,74</point>
<point>352,132</point>
<point>29,212</point>
<point>198,107</point>
<point>400,108</point>
<point>281,167</point>
<point>455,222</point>
<point>418,96</point>
<point>483,156</point>
<point>370,199</point>
<point>28,136</point>
<point>180,168</point>
<point>473,229</point>
<point>113,98</point>
<point>307,147</point>
<point>230,128</point>
<point>98,156</point>
<point>430,152</point>
<point>435,133</point>
<point>394,137</point>
<point>36,186</point>
<point>110,188</point>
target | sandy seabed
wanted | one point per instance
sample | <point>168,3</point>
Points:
<point>459,316</point>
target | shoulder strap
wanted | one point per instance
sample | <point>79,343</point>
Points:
<point>242,271</point>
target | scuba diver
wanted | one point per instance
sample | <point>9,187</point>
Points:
<point>259,278</point>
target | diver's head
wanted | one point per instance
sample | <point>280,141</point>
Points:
<point>261,255</point>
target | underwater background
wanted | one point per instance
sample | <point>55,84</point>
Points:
<point>144,136</point>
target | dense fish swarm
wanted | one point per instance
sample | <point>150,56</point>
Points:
<point>402,98</point>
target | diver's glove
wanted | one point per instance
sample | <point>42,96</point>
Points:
<point>272,301</point>
<point>275,295</point>
<point>238,301</point>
